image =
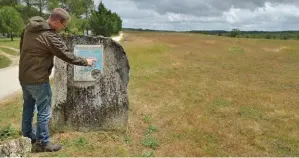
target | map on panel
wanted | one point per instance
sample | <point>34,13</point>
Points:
<point>85,73</point>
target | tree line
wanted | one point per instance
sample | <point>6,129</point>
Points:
<point>236,33</point>
<point>86,19</point>
<point>284,35</point>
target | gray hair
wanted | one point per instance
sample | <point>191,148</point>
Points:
<point>60,14</point>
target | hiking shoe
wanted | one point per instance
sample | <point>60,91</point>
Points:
<point>50,147</point>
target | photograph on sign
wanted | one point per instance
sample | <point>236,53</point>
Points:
<point>85,73</point>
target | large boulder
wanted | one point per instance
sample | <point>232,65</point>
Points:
<point>92,100</point>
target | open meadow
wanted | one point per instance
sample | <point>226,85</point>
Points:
<point>195,95</point>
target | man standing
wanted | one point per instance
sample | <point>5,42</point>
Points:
<point>39,44</point>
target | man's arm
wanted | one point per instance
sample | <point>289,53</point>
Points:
<point>59,49</point>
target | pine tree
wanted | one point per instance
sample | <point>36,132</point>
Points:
<point>104,22</point>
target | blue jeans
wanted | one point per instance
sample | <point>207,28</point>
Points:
<point>39,95</point>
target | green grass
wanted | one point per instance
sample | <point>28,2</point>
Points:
<point>7,42</point>
<point>237,50</point>
<point>151,129</point>
<point>8,132</point>
<point>81,141</point>
<point>147,119</point>
<point>150,142</point>
<point>9,51</point>
<point>220,102</point>
<point>148,154</point>
<point>127,139</point>
<point>4,61</point>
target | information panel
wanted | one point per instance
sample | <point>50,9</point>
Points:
<point>86,73</point>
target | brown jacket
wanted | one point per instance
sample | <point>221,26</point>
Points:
<point>39,44</point>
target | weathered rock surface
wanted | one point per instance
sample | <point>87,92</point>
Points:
<point>15,148</point>
<point>92,105</point>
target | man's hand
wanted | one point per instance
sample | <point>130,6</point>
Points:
<point>91,61</point>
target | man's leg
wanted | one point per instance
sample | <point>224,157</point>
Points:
<point>27,117</point>
<point>42,95</point>
<point>43,102</point>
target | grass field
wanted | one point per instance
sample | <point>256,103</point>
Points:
<point>7,42</point>
<point>4,61</point>
<point>11,55</point>
<point>196,95</point>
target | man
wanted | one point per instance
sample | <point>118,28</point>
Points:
<point>39,44</point>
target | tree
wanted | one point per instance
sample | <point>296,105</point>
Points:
<point>53,4</point>
<point>73,6</point>
<point>268,36</point>
<point>104,22</point>
<point>89,6</point>
<point>98,21</point>
<point>10,21</point>
<point>116,23</point>
<point>8,2</point>
<point>235,32</point>
<point>27,11</point>
<point>79,9</point>
<point>40,4</point>
<point>77,25</point>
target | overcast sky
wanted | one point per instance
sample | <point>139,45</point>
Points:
<point>184,15</point>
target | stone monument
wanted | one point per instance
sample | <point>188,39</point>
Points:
<point>91,98</point>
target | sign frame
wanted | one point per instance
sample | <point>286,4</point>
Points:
<point>84,73</point>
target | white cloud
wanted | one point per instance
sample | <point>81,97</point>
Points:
<point>207,15</point>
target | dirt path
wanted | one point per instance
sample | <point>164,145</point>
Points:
<point>9,81</point>
<point>118,38</point>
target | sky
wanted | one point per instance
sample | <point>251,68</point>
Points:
<point>185,15</point>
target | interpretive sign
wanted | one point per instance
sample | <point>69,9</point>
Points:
<point>87,73</point>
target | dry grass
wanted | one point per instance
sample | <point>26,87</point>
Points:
<point>11,110</point>
<point>204,96</point>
